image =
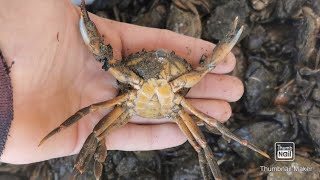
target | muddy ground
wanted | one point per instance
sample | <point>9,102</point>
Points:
<point>278,61</point>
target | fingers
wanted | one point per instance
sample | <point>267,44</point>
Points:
<point>145,137</point>
<point>214,86</point>
<point>134,38</point>
<point>227,65</point>
<point>217,109</point>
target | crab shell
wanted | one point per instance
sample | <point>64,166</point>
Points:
<point>155,99</point>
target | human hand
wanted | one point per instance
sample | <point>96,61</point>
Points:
<point>55,75</point>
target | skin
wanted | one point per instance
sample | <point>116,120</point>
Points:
<point>54,75</point>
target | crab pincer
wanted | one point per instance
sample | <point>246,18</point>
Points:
<point>93,39</point>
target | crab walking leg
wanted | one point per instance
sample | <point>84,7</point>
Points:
<point>107,120</point>
<point>219,53</point>
<point>188,134</point>
<point>92,149</point>
<point>91,143</point>
<point>121,121</point>
<point>212,129</point>
<point>99,157</point>
<point>196,132</point>
<point>200,122</point>
<point>219,126</point>
<point>101,152</point>
<point>85,155</point>
<point>195,145</point>
<point>203,165</point>
<point>199,137</point>
<point>84,111</point>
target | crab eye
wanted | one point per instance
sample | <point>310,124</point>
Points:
<point>161,54</point>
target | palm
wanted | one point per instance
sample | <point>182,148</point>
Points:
<point>54,75</point>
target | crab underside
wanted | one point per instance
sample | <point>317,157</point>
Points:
<point>155,83</point>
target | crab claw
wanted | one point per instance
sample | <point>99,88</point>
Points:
<point>92,37</point>
<point>225,45</point>
<point>89,32</point>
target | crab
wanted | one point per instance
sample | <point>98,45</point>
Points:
<point>154,85</point>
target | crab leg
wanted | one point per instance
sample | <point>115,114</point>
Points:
<point>203,165</point>
<point>199,137</point>
<point>101,152</point>
<point>200,122</point>
<point>124,75</point>
<point>219,126</point>
<point>94,146</point>
<point>195,145</point>
<point>219,53</point>
<point>121,121</point>
<point>85,155</point>
<point>107,120</point>
<point>84,111</point>
<point>188,134</point>
<point>99,157</point>
<point>212,129</point>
